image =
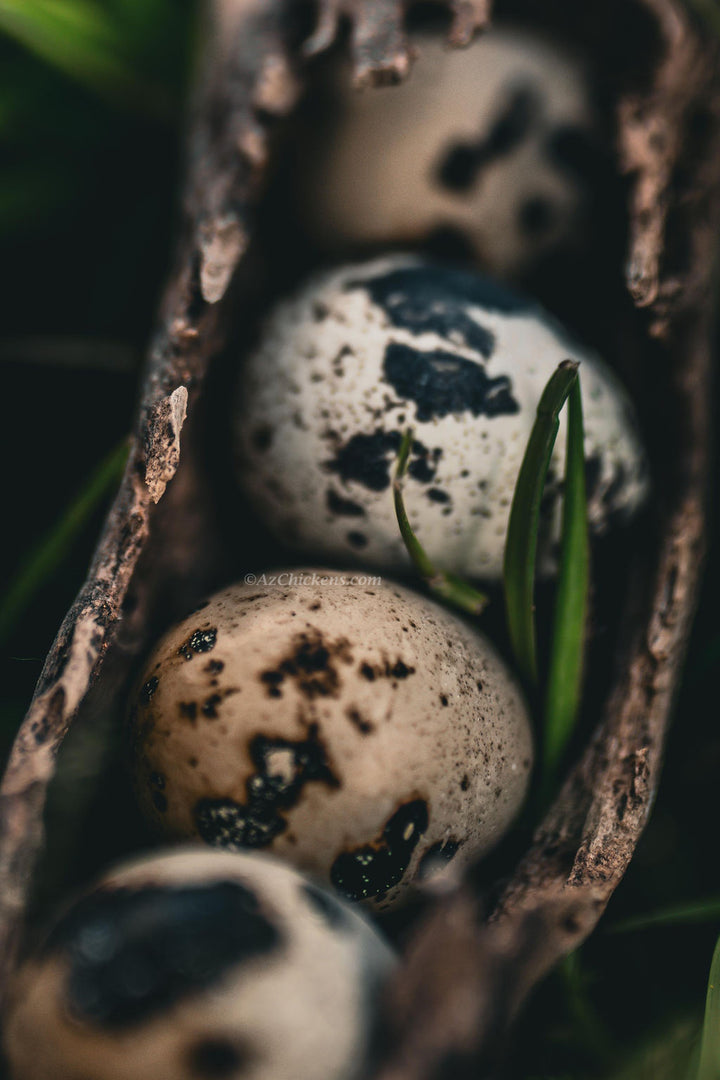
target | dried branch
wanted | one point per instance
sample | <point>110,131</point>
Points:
<point>651,126</point>
<point>247,74</point>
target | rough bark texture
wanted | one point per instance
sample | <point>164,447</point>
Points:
<point>466,974</point>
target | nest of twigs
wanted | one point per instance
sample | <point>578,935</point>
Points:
<point>471,961</point>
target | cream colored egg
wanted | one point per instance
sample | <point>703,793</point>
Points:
<point>495,143</point>
<point>199,964</point>
<point>341,722</point>
<point>363,352</point>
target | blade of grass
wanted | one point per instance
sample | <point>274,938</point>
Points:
<point>521,541</point>
<point>696,911</point>
<point>451,588</point>
<point>566,659</point>
<point>45,558</point>
<point>78,38</point>
<point>709,1066</point>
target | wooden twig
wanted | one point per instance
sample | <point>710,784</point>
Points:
<point>466,972</point>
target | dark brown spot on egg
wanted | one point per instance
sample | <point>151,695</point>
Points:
<point>188,710</point>
<point>536,216</point>
<point>217,1058</point>
<point>372,869</point>
<point>358,720</point>
<point>282,769</point>
<point>131,953</point>
<point>388,669</point>
<point>159,801</point>
<point>311,665</point>
<point>148,690</point>
<point>272,680</point>
<point>210,705</point>
<point>342,507</point>
<point>400,670</point>
<point>200,641</point>
<point>262,438</point>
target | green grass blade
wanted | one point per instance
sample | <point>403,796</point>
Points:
<point>45,558</point>
<point>521,541</point>
<point>77,38</point>
<point>451,588</point>
<point>697,911</point>
<point>566,659</point>
<point>709,1067</point>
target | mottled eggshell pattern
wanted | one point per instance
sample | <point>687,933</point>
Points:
<point>498,146</point>
<point>363,352</point>
<point>199,964</point>
<point>357,730</point>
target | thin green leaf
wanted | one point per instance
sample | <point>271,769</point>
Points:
<point>521,541</point>
<point>77,38</point>
<point>697,911</point>
<point>709,1067</point>
<point>45,558</point>
<point>451,588</point>
<point>566,658</point>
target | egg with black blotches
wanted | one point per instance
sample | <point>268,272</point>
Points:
<point>494,147</point>
<point>363,352</point>
<point>199,964</point>
<point>339,721</point>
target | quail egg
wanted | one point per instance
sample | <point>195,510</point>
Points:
<point>339,721</point>
<point>199,964</point>
<point>495,144</point>
<point>361,353</point>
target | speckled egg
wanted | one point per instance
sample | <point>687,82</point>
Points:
<point>494,144</point>
<point>363,352</point>
<point>199,964</point>
<point>341,722</point>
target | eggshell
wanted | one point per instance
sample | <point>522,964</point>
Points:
<point>199,964</point>
<point>361,353</point>
<point>341,722</point>
<point>496,144</point>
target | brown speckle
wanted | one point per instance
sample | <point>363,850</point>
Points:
<point>311,665</point>
<point>357,719</point>
<point>209,706</point>
<point>200,641</point>
<point>149,689</point>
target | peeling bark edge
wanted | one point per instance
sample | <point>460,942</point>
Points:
<point>463,980</point>
<point>227,149</point>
